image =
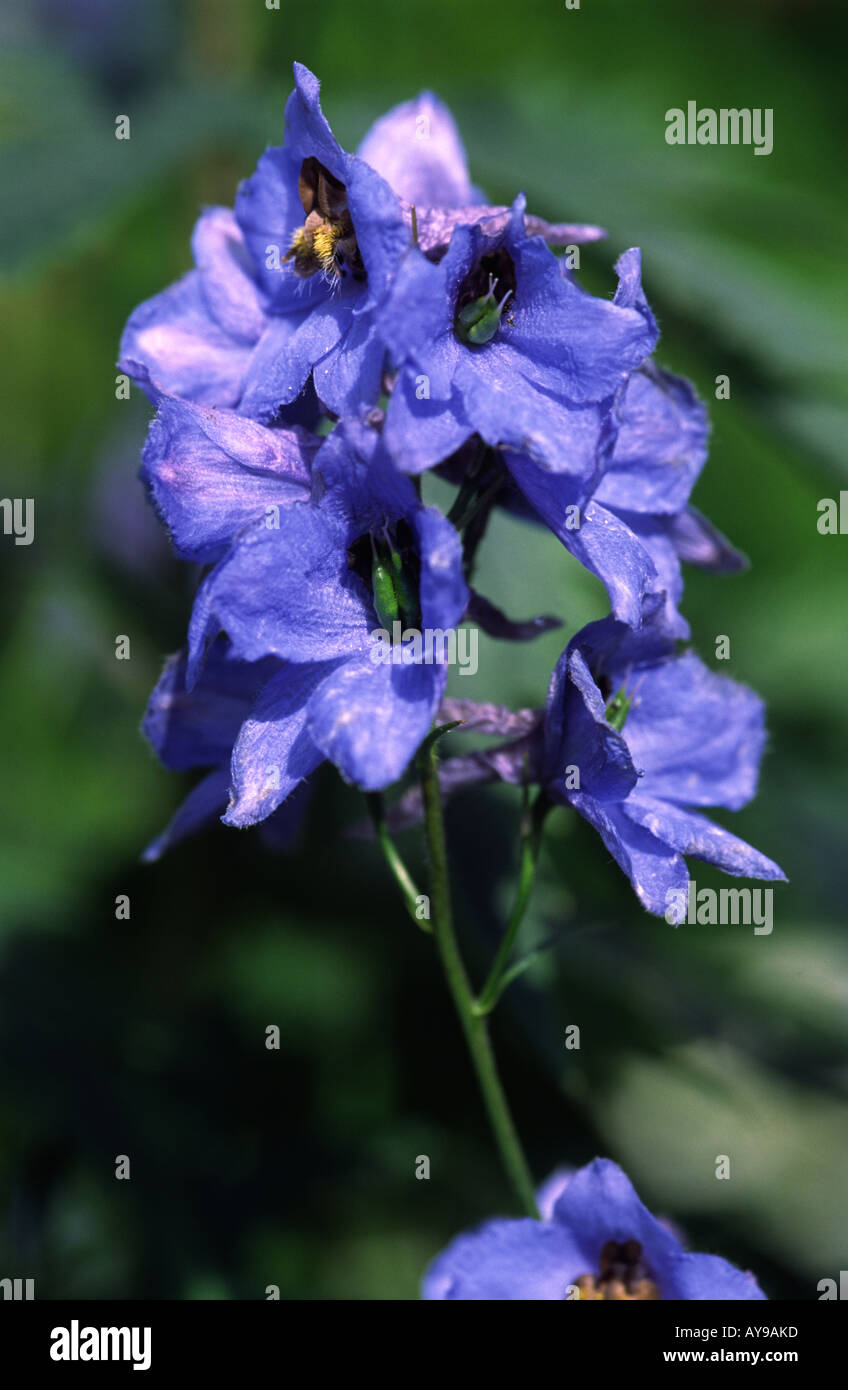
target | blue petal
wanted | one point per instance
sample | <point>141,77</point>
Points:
<point>360,487</point>
<point>699,543</point>
<point>577,735</point>
<point>287,592</point>
<point>417,319</point>
<point>339,345</point>
<point>568,342</point>
<point>704,1277</point>
<point>626,566</point>
<point>307,128</point>
<point>291,592</point>
<point>289,349</point>
<point>268,206</point>
<point>173,343</point>
<point>369,719</point>
<point>629,293</point>
<point>602,542</point>
<point>614,649</point>
<point>514,1261</point>
<point>549,1193</point>
<point>443,590</point>
<point>198,728</point>
<point>227,275</point>
<point>274,751</point>
<point>508,412</point>
<point>599,1204</point>
<point>269,211</point>
<point>350,376</point>
<point>693,834</point>
<point>698,736</point>
<point>656,872</point>
<point>420,433</point>
<point>661,445</point>
<point>381,232</point>
<point>201,808</point>
<point>211,472</point>
<point>417,149</point>
<point>652,535</point>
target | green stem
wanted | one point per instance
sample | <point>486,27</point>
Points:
<point>403,878</point>
<point>472,501</point>
<point>531,838</point>
<point>473,1025</point>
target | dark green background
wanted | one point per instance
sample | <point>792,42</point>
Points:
<point>146,1037</point>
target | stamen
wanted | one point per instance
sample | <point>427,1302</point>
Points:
<point>326,242</point>
<point>623,1276</point>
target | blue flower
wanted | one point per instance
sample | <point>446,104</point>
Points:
<point>496,339</point>
<point>326,233</point>
<point>313,590</point>
<point>636,736</point>
<point>600,1243</point>
<point>282,298</point>
<point>284,286</point>
<point>637,523</point>
<point>197,729</point>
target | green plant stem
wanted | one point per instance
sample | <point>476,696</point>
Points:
<point>402,876</point>
<point>531,836</point>
<point>467,506</point>
<point>474,1025</point>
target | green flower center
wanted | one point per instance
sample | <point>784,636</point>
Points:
<point>618,709</point>
<point>388,564</point>
<point>483,297</point>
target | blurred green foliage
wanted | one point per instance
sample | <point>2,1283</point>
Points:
<point>146,1038</point>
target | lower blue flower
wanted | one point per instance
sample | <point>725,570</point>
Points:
<point>635,737</point>
<point>600,1243</point>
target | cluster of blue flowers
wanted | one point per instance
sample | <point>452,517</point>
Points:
<point>355,321</point>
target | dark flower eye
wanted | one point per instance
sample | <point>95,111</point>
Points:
<point>326,241</point>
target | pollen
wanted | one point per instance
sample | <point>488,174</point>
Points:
<point>593,1290</point>
<point>324,243</point>
<point>623,1276</point>
<point>300,247</point>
